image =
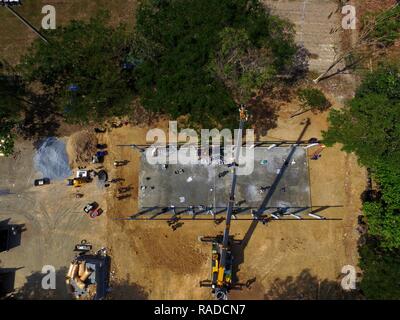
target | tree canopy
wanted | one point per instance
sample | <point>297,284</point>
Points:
<point>11,104</point>
<point>197,38</point>
<point>383,214</point>
<point>381,272</point>
<point>386,27</point>
<point>313,99</point>
<point>84,68</point>
<point>369,125</point>
<point>240,66</point>
<point>177,60</point>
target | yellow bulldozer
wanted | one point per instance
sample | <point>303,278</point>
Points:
<point>78,182</point>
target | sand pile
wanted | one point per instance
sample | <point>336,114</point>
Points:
<point>81,146</point>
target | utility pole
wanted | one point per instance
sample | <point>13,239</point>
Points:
<point>26,23</point>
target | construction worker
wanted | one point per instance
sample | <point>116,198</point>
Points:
<point>264,189</point>
<point>243,112</point>
<point>316,156</point>
<point>119,163</point>
<point>223,174</point>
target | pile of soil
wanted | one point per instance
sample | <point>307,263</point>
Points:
<point>81,146</point>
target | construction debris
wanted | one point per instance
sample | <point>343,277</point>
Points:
<point>88,274</point>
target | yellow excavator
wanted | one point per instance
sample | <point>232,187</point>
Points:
<point>222,258</point>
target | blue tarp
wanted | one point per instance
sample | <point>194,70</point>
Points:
<point>51,159</point>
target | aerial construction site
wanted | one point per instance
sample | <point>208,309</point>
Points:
<point>111,189</point>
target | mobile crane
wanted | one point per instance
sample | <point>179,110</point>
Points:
<point>222,258</point>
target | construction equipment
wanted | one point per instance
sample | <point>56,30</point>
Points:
<point>222,258</point>
<point>223,246</point>
<point>78,182</point>
<point>41,182</point>
<point>93,209</point>
<point>317,154</point>
<point>82,177</point>
<point>84,246</point>
<point>82,174</point>
<point>88,274</point>
<point>120,163</point>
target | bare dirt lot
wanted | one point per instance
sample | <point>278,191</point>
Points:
<point>284,259</point>
<point>53,222</point>
<point>154,262</point>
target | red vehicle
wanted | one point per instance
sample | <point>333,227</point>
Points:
<point>93,209</point>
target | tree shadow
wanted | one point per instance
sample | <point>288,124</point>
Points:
<point>238,248</point>
<point>308,287</point>
<point>40,118</point>
<point>299,67</point>
<point>32,289</point>
<point>264,114</point>
<point>126,290</point>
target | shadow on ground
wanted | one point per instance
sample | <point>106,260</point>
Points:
<point>264,115</point>
<point>125,290</point>
<point>40,118</point>
<point>32,289</point>
<point>308,287</point>
<point>239,247</point>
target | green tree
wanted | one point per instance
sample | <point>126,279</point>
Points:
<point>368,126</point>
<point>84,68</point>
<point>383,214</point>
<point>313,99</point>
<point>241,66</point>
<point>381,272</point>
<point>11,105</point>
<point>386,27</point>
<point>179,81</point>
<point>384,81</point>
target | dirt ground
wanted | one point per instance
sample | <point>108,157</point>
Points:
<point>52,219</point>
<point>150,261</point>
